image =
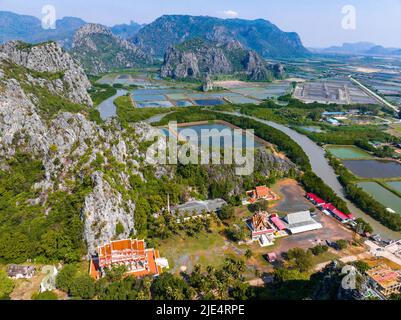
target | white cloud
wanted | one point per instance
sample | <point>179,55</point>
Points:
<point>231,13</point>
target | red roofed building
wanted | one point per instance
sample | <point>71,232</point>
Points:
<point>260,224</point>
<point>260,193</point>
<point>278,223</point>
<point>331,209</point>
<point>315,199</point>
<point>132,254</point>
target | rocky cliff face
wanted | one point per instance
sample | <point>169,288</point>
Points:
<point>197,58</point>
<point>72,149</point>
<point>50,58</point>
<point>99,50</point>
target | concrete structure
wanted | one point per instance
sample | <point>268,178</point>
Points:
<point>391,252</point>
<point>196,208</point>
<point>334,90</point>
<point>15,271</point>
<point>132,254</point>
<point>49,281</point>
<point>301,222</point>
<point>385,280</point>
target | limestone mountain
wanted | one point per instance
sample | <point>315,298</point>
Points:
<point>198,58</point>
<point>259,35</point>
<point>99,50</point>
<point>45,125</point>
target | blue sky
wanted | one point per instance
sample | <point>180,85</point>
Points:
<point>318,22</point>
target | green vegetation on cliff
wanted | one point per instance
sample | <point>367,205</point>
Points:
<point>27,230</point>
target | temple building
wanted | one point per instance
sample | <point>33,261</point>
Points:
<point>132,254</point>
<point>261,229</point>
<point>385,280</point>
<point>260,193</point>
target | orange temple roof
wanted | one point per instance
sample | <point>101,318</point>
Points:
<point>126,251</point>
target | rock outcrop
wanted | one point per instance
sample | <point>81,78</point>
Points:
<point>99,50</point>
<point>50,58</point>
<point>67,143</point>
<point>197,58</point>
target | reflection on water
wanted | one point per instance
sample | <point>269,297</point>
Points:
<point>215,139</point>
<point>374,168</point>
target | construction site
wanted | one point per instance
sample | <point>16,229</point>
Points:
<point>340,91</point>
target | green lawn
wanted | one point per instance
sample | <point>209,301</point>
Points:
<point>206,249</point>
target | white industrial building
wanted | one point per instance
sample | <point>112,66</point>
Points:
<point>301,222</point>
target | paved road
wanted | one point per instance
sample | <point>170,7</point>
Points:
<point>377,251</point>
<point>374,95</point>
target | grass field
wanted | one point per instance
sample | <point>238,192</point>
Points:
<point>205,249</point>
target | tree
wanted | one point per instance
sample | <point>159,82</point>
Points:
<point>241,291</point>
<point>170,287</point>
<point>6,286</point>
<point>262,205</point>
<point>319,249</point>
<point>299,259</point>
<point>227,212</point>
<point>363,226</point>
<point>116,273</point>
<point>47,295</point>
<point>57,246</point>
<point>248,254</point>
<point>65,278</point>
<point>119,229</point>
<point>342,244</point>
<point>362,266</point>
<point>83,287</point>
<point>14,247</point>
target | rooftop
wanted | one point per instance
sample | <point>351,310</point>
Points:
<point>385,276</point>
<point>197,207</point>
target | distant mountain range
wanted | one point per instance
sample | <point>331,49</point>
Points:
<point>360,48</point>
<point>29,29</point>
<point>155,38</point>
<point>226,46</point>
<point>258,35</point>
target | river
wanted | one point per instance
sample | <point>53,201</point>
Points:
<point>107,108</point>
<point>322,169</point>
